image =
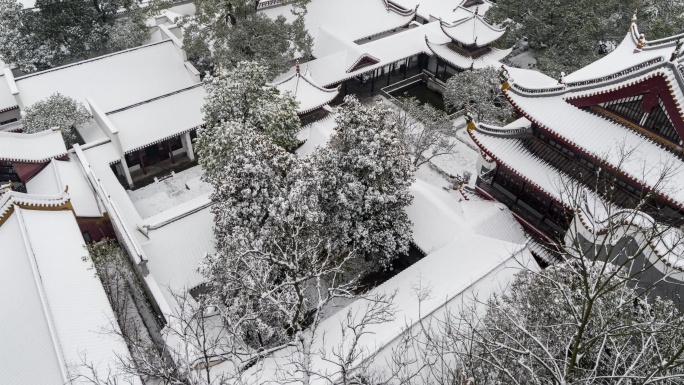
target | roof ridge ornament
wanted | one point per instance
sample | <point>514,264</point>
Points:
<point>640,43</point>
<point>561,79</point>
<point>297,66</point>
<point>504,76</point>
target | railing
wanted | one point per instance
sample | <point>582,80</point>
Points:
<point>507,132</point>
<point>528,218</point>
<point>602,79</point>
<point>617,74</point>
<point>11,127</point>
<point>269,3</point>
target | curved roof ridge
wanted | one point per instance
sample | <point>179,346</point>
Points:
<point>657,43</point>
<point>479,29</point>
<point>32,202</point>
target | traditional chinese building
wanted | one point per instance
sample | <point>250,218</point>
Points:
<point>466,45</point>
<point>311,97</point>
<point>614,128</point>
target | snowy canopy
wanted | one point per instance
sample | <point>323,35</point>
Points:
<point>306,92</point>
<point>59,176</point>
<point>160,118</point>
<point>54,307</point>
<point>114,81</point>
<point>472,31</point>
<point>484,264</point>
<point>31,148</point>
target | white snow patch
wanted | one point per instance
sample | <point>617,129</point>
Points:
<point>163,195</point>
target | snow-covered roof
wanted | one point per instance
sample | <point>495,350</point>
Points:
<point>531,78</point>
<point>54,307</point>
<point>447,10</point>
<point>179,239</point>
<point>61,176</point>
<point>114,81</point>
<point>7,100</point>
<point>316,134</point>
<point>606,139</point>
<point>31,148</point>
<point>625,56</point>
<point>304,89</point>
<point>473,30</point>
<point>456,59</point>
<point>494,220</point>
<point>510,152</point>
<point>351,20</point>
<point>335,67</point>
<point>160,118</point>
<point>432,209</point>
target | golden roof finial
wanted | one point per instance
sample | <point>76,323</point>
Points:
<point>640,43</point>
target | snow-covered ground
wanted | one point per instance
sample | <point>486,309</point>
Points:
<point>163,195</point>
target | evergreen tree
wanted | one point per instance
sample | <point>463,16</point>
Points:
<point>363,178</point>
<point>249,176</point>
<point>241,95</point>
<point>566,35</point>
<point>57,31</point>
<point>232,32</point>
<point>56,111</point>
<point>480,92</point>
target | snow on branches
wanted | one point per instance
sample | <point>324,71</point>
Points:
<point>426,131</point>
<point>363,182</point>
<point>56,111</point>
<point>225,34</point>
<point>241,95</point>
<point>480,92</point>
<point>58,31</point>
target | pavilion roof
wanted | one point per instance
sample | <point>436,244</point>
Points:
<point>473,30</point>
<point>54,306</point>
<point>304,89</point>
<point>31,148</point>
<point>461,61</point>
<point>447,10</point>
<point>114,81</point>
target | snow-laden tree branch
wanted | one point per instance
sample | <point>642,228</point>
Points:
<point>426,131</point>
<point>479,91</point>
